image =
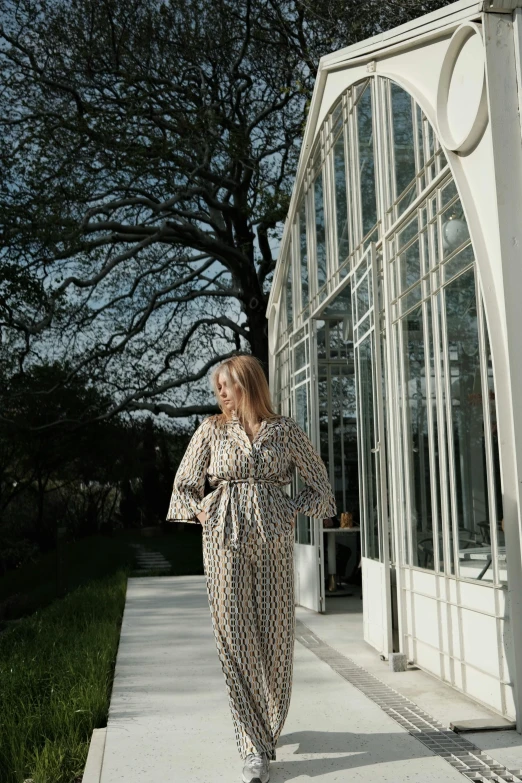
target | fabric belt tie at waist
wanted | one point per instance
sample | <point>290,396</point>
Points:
<point>233,541</point>
<point>250,480</point>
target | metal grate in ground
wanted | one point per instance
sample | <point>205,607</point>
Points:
<point>458,751</point>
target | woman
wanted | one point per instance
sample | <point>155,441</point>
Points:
<point>248,454</point>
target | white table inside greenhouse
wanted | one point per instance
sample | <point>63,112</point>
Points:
<point>482,553</point>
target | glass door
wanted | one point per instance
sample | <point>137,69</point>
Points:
<point>373,491</point>
<point>338,430</point>
<point>307,555</point>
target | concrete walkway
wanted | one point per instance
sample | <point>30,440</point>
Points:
<point>169,720</point>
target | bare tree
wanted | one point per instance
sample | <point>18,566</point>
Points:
<point>147,150</point>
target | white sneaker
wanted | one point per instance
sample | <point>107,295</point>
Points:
<point>255,769</point>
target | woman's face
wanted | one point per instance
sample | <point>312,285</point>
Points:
<point>226,393</point>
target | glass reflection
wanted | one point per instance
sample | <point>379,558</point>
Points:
<point>304,535</point>
<point>363,297</point>
<point>288,291</point>
<point>341,202</point>
<point>368,458</point>
<point>320,232</point>
<point>410,266</point>
<point>337,401</point>
<point>416,454</point>
<point>321,339</point>
<point>470,514</point>
<point>454,228</point>
<point>432,413</point>
<point>303,253</point>
<point>344,430</point>
<point>403,140</point>
<point>420,138</point>
<point>444,464</point>
<point>366,161</point>
<point>497,527</point>
<point>458,263</point>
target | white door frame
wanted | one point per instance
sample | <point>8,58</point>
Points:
<point>377,615</point>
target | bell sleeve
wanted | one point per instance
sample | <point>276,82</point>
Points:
<point>189,481</point>
<point>316,498</point>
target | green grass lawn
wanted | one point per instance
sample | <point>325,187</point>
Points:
<point>57,664</point>
<point>56,670</point>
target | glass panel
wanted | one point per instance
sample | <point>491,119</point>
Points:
<point>359,88</point>
<point>454,229</point>
<point>315,157</point>
<point>408,232</point>
<point>303,252</point>
<point>406,200</point>
<point>409,266</point>
<point>360,271</point>
<point>448,192</point>
<point>320,230</point>
<point>336,342</point>
<point>498,520</point>
<point>373,237</point>
<point>336,396</point>
<point>341,203</point>
<point>423,242</point>
<point>458,263</point>
<point>470,515</point>
<point>403,146</point>
<point>325,396</point>
<point>363,297</point>
<point>348,500</point>
<point>341,305</point>
<point>368,459</point>
<point>366,162</point>
<point>395,371</point>
<point>437,307</point>
<point>435,464</point>
<point>337,119</point>
<point>420,137</point>
<point>384,461</point>
<point>411,299</point>
<point>416,443</point>
<point>304,535</point>
<point>300,355</point>
<point>442,161</point>
<point>289,309</point>
<point>430,139</point>
<point>435,254</point>
<point>321,339</point>
<point>393,279</point>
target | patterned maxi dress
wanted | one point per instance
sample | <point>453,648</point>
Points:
<point>248,548</point>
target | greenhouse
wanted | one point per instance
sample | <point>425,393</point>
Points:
<point>394,323</point>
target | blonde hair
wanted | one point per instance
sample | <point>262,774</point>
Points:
<point>245,375</point>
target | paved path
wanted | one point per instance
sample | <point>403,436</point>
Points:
<point>169,720</point>
<point>147,560</point>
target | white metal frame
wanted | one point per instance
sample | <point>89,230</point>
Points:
<point>492,213</point>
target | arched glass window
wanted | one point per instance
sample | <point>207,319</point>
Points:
<point>288,295</point>
<point>303,256</point>
<point>395,189</point>
<point>366,167</point>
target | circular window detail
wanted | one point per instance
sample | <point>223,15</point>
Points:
<point>462,110</point>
